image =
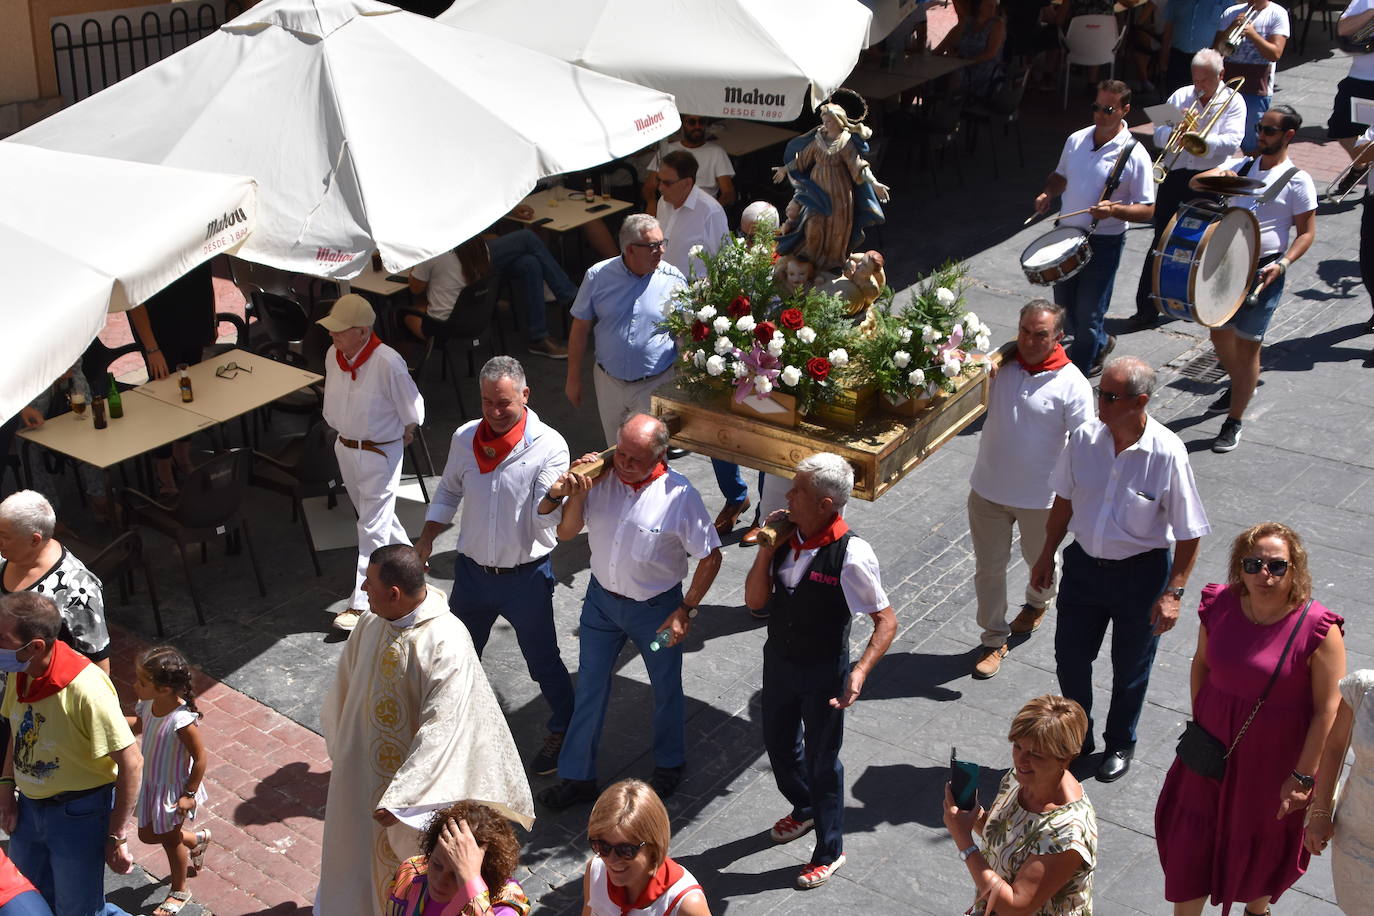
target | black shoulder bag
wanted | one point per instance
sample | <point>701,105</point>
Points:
<point>1200,750</point>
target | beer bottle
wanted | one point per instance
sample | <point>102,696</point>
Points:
<point>98,411</point>
<point>186,395</point>
<point>114,400</point>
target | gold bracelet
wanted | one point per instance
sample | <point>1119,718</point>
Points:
<point>1319,812</point>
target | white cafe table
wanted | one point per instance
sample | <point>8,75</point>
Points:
<point>147,424</point>
<point>378,282</point>
<point>562,210</point>
<point>223,399</point>
<point>740,138</point>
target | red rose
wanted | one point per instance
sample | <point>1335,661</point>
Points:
<point>818,367</point>
<point>738,307</point>
<point>763,332</point>
<point>700,330</point>
<point>792,319</point>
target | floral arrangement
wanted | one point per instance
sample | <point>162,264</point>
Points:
<point>737,327</point>
<point>923,348</point>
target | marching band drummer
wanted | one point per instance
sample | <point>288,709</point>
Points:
<point>1288,200</point>
<point>1207,96</point>
<point>1085,165</point>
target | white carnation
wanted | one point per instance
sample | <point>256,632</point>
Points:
<point>917,377</point>
<point>699,358</point>
<point>695,251</point>
<point>900,359</point>
<point>904,334</point>
<point>790,376</point>
<point>724,345</point>
<point>929,334</point>
<point>721,324</point>
<point>715,365</point>
<point>745,323</point>
<point>706,313</point>
<point>775,346</point>
<point>762,384</point>
<point>741,370</point>
<point>982,341</point>
<point>951,366</point>
<point>944,296</point>
<point>970,322</point>
<point>806,335</point>
<point>838,358</point>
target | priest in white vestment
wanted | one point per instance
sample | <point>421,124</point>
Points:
<point>412,726</point>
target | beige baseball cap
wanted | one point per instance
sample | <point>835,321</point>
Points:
<point>351,311</point>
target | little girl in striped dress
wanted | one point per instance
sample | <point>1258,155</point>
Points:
<point>174,765</point>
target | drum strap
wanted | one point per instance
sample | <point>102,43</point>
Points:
<point>1114,179</point>
<point>1276,187</point>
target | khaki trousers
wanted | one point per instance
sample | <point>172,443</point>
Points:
<point>616,400</point>
<point>989,526</point>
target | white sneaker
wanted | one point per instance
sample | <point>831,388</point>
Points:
<point>815,875</point>
<point>789,828</point>
<point>347,620</point>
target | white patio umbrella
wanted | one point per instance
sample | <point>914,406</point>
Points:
<point>887,14</point>
<point>82,236</point>
<point>758,59</point>
<point>365,126</point>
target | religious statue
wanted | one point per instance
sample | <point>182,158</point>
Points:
<point>836,190</point>
<point>861,282</point>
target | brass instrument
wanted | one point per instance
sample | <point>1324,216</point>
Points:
<point>1188,137</point>
<point>1334,192</point>
<point>1230,42</point>
<point>1360,41</point>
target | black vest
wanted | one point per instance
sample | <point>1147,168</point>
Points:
<point>812,623</point>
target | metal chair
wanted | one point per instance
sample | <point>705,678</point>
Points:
<point>1002,108</point>
<point>117,561</point>
<point>207,506</point>
<point>470,321</point>
<point>303,468</point>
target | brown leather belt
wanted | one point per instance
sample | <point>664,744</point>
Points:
<point>366,445</point>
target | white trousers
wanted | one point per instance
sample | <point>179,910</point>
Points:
<point>989,528</point>
<point>371,481</point>
<point>616,400</point>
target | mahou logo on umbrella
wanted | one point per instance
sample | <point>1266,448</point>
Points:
<point>216,226</point>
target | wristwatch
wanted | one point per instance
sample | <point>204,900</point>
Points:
<point>1176,592</point>
<point>965,853</point>
<point>1304,780</point>
<point>691,610</point>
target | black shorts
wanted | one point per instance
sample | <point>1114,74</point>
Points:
<point>1339,126</point>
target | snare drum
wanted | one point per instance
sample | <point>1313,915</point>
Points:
<point>1206,264</point>
<point>1056,256</point>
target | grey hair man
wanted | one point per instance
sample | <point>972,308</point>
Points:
<point>1124,489</point>
<point>758,212</point>
<point>814,584</point>
<point>1038,397</point>
<point>499,471</point>
<point>621,301</point>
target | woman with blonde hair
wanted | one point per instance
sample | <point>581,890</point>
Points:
<point>630,871</point>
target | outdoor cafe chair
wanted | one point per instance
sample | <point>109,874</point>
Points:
<point>304,467</point>
<point>117,562</point>
<point>209,505</point>
<point>1004,107</point>
<point>471,320</point>
<point>1090,41</point>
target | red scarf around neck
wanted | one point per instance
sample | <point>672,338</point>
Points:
<point>490,449</point>
<point>827,535</point>
<point>667,875</point>
<point>1057,359</point>
<point>659,470</point>
<point>373,343</point>
<point>67,663</point>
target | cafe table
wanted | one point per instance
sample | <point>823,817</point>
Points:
<point>562,210</point>
<point>913,71</point>
<point>221,393</point>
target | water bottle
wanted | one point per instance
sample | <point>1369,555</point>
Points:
<point>662,640</point>
<point>113,400</point>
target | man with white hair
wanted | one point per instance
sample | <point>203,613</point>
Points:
<point>372,402</point>
<point>622,300</point>
<point>754,214</point>
<point>813,585</point>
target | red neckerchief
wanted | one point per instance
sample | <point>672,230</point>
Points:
<point>490,449</point>
<point>827,535</point>
<point>659,470</point>
<point>373,343</point>
<point>67,663</point>
<point>1057,359</point>
<point>668,874</point>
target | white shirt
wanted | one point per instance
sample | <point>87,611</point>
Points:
<point>1126,504</point>
<point>641,541</point>
<point>1361,65</point>
<point>712,162</point>
<point>1223,140</point>
<point>444,275</point>
<point>379,404</point>
<point>501,525</point>
<point>700,221</point>
<point>1268,22</point>
<point>859,578</point>
<point>1276,216</point>
<point>1086,170</point>
<point>1028,423</point>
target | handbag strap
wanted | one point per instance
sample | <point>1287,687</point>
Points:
<point>1272,678</point>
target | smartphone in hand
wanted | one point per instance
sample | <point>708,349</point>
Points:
<point>963,782</point>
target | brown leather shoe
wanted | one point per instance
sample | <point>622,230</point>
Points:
<point>725,521</point>
<point>751,537</point>
<point>1028,621</point>
<point>989,663</point>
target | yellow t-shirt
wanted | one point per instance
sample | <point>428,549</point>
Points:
<point>62,743</point>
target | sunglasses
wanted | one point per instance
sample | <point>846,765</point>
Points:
<point>652,246</point>
<point>668,183</point>
<point>1276,568</point>
<point>229,370</point>
<point>1268,130</point>
<point>621,850</point>
<point>1111,397</point>
<point>1105,109</point>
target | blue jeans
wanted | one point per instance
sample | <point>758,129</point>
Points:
<point>1255,107</point>
<point>607,622</point>
<point>1251,321</point>
<point>1093,594</point>
<point>1086,298</point>
<point>730,479</point>
<point>525,599</point>
<point>802,733</point>
<point>60,847</point>
<point>528,264</point>
<point>29,903</point>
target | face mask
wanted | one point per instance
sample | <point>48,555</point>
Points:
<point>9,661</point>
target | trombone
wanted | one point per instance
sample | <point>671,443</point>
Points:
<point>1334,192</point>
<point>1188,137</point>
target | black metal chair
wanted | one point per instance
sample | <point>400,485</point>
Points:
<point>117,561</point>
<point>207,506</point>
<point>1004,107</point>
<point>304,467</point>
<point>466,326</point>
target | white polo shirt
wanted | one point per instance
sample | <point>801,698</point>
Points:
<point>1143,499</point>
<point>1361,65</point>
<point>699,221</point>
<point>501,525</point>
<point>1086,170</point>
<point>859,578</point>
<point>1028,423</point>
<point>379,404</point>
<point>1275,216</point>
<point>641,541</point>
<point>712,162</point>
<point>1223,140</point>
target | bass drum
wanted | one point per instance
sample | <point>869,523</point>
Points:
<point>1056,256</point>
<point>1205,266</point>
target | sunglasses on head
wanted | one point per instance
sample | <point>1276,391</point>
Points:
<point>1105,109</point>
<point>1276,568</point>
<point>621,850</point>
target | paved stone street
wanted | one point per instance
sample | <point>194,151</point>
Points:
<point>1305,460</point>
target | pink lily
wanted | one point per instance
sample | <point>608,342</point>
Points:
<point>759,362</point>
<point>955,339</point>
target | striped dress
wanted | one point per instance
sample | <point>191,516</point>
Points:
<point>166,764</point>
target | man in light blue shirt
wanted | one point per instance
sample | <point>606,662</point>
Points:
<point>621,303</point>
<point>1189,26</point>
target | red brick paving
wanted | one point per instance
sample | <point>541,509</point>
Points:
<point>266,784</point>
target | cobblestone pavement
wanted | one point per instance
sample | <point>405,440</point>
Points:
<point>1305,460</point>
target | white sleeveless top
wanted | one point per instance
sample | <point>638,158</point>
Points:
<point>602,905</point>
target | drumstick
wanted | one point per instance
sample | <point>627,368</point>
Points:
<point>1058,216</point>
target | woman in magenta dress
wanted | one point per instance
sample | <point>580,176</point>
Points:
<point>1240,840</point>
